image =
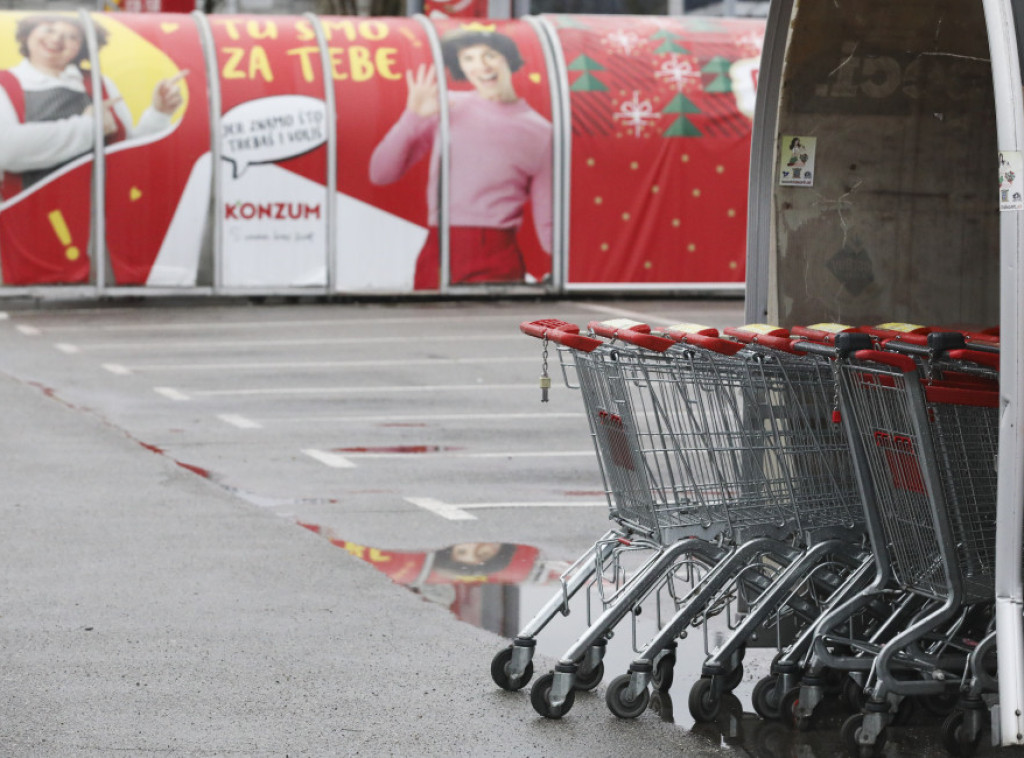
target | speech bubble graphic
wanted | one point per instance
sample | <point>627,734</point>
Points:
<point>271,129</point>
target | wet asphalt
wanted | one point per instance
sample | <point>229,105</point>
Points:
<point>170,471</point>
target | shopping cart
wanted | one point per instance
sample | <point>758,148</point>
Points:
<point>924,451</point>
<point>759,415</point>
<point>642,523</point>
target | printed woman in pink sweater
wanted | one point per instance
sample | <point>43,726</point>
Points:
<point>500,160</point>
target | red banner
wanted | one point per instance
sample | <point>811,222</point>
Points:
<point>382,211</point>
<point>273,140</point>
<point>46,118</point>
<point>158,182</point>
<point>661,112</point>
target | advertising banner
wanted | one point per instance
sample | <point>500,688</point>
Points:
<point>158,177</point>
<point>47,122</point>
<point>500,140</point>
<point>273,141</point>
<point>382,193</point>
<point>661,120</point>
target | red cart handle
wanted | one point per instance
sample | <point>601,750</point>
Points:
<point>633,332</point>
<point>904,363</point>
<point>773,337</point>
<point>715,344</point>
<point>981,357</point>
<point>561,332</point>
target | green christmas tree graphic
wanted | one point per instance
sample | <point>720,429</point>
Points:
<point>719,67</point>
<point>588,82</point>
<point>682,126</point>
<point>670,45</point>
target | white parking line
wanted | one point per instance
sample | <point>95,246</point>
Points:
<point>67,347</point>
<point>117,368</point>
<point>329,459</point>
<point>240,421</point>
<point>360,390</point>
<point>28,330</point>
<point>461,512</point>
<point>421,419</point>
<point>324,364</point>
<point>170,393</point>
<point>164,346</point>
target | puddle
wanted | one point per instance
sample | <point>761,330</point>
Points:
<point>396,449</point>
<point>501,586</point>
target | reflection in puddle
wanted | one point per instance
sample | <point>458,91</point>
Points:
<point>500,586</point>
<point>393,449</point>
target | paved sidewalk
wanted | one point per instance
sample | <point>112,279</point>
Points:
<point>145,611</point>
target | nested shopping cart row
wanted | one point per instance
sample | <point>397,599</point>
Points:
<point>845,477</point>
<point>715,458</point>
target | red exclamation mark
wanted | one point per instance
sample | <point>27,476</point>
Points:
<point>60,227</point>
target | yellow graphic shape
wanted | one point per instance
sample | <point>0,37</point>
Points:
<point>60,228</point>
<point>535,78</point>
<point>132,62</point>
<point>135,65</point>
<point>134,194</point>
<point>168,28</point>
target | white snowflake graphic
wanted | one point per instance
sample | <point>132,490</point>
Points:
<point>636,114</point>
<point>623,41</point>
<point>680,72</point>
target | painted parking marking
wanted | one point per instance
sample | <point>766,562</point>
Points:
<point>242,422</point>
<point>461,511</point>
<point>164,346</point>
<point>328,458</point>
<point>66,347</point>
<point>421,419</point>
<point>117,368</point>
<point>28,330</point>
<point>333,390</point>
<point>278,365</point>
<point>171,393</point>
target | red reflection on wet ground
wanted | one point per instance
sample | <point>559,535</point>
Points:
<point>397,449</point>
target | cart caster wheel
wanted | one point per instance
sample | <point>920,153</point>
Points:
<point>765,699</point>
<point>540,698</point>
<point>584,682</point>
<point>850,734</point>
<point>955,738</point>
<point>703,706</point>
<point>619,703</point>
<point>664,673</point>
<point>732,680</point>
<point>788,712</point>
<point>499,671</point>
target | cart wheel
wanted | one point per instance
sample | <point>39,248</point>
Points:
<point>789,714</point>
<point>851,731</point>
<point>499,671</point>
<point>664,673</point>
<point>732,680</point>
<point>955,738</point>
<point>619,703</point>
<point>540,698</point>
<point>765,699</point>
<point>584,682</point>
<point>703,707</point>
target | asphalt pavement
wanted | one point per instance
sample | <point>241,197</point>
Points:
<point>160,596</point>
<point>146,610</point>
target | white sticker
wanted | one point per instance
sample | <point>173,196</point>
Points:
<point>1011,180</point>
<point>797,161</point>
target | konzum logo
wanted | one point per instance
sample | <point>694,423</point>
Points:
<point>275,211</point>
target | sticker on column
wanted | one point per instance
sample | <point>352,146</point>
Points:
<point>797,161</point>
<point>1011,186</point>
